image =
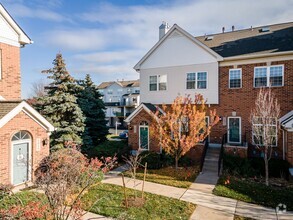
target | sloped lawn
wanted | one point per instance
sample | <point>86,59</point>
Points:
<point>181,178</point>
<point>111,203</point>
<point>248,190</point>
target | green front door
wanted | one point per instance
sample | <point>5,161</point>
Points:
<point>20,163</point>
<point>234,130</point>
<point>144,137</point>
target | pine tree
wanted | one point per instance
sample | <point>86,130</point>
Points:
<point>60,106</point>
<point>93,108</point>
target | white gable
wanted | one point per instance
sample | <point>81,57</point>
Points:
<point>7,34</point>
<point>10,32</point>
<point>177,50</point>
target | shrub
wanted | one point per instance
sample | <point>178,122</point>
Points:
<point>238,166</point>
<point>153,159</point>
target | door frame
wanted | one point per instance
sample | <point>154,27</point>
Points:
<point>29,167</point>
<point>240,133</point>
<point>144,126</point>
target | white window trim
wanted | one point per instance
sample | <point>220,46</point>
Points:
<point>144,126</point>
<point>276,125</point>
<point>268,75</point>
<point>240,130</point>
<point>240,78</point>
<point>197,80</point>
<point>158,83</point>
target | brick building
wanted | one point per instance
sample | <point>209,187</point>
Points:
<point>228,69</point>
<point>24,133</point>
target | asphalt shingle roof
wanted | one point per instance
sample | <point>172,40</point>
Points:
<point>250,41</point>
<point>129,83</point>
<point>7,106</point>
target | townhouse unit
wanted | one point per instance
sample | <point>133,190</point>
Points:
<point>228,69</point>
<point>120,98</point>
<point>24,133</point>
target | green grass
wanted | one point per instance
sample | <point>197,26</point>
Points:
<point>181,178</point>
<point>111,203</point>
<point>237,217</point>
<point>248,190</point>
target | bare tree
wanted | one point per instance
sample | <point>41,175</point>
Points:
<point>38,88</point>
<point>264,120</point>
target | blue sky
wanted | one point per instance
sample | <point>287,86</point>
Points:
<point>107,38</point>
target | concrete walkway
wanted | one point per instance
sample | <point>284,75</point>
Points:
<point>209,206</point>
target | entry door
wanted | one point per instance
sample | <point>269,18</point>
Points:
<point>20,163</point>
<point>234,130</point>
<point>144,137</point>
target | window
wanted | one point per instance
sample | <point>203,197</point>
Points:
<point>190,82</point>
<point>119,90</point>
<point>158,82</point>
<point>264,126</point>
<point>101,91</point>
<point>268,76</point>
<point>129,91</point>
<point>153,83</point>
<point>235,76</point>
<point>202,80</point>
<point>110,91</point>
<point>196,80</point>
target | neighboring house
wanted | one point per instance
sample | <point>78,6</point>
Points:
<point>120,98</point>
<point>24,133</point>
<point>228,69</point>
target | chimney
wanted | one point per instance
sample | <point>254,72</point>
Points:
<point>223,29</point>
<point>233,28</point>
<point>163,29</point>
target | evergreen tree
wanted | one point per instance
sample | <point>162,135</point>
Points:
<point>92,106</point>
<point>60,106</point>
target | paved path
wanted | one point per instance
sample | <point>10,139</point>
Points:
<point>209,206</point>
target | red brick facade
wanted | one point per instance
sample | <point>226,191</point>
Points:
<point>21,122</point>
<point>10,82</point>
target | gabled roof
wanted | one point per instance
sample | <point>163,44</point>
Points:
<point>287,121</point>
<point>22,36</point>
<point>124,84</point>
<point>269,39</point>
<point>183,32</point>
<point>9,109</point>
<point>148,107</point>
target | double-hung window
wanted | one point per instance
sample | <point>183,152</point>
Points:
<point>196,80</point>
<point>268,76</point>
<point>264,131</point>
<point>158,82</point>
<point>235,76</point>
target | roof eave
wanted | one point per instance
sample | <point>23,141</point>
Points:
<point>251,56</point>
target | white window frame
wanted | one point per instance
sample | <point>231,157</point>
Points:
<point>196,80</point>
<point>240,69</point>
<point>144,126</point>
<point>191,80</point>
<point>268,75</point>
<point>273,125</point>
<point>158,83</point>
<point>240,130</point>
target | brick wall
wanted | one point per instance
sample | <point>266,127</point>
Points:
<point>289,154</point>
<point>242,100</point>
<point>20,122</point>
<point>10,82</point>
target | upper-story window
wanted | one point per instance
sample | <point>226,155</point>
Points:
<point>235,76</point>
<point>101,91</point>
<point>268,76</point>
<point>158,82</point>
<point>129,91</point>
<point>196,80</point>
<point>119,90</point>
<point>110,91</point>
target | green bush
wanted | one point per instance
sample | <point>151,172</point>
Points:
<point>109,149</point>
<point>152,159</point>
<point>249,167</point>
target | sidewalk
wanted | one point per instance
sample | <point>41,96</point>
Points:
<point>209,206</point>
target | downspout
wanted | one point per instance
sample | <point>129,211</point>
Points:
<point>283,144</point>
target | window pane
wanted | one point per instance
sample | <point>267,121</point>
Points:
<point>163,82</point>
<point>276,76</point>
<point>153,87</point>
<point>235,78</point>
<point>153,79</point>
<point>190,76</point>
<point>153,83</point>
<point>190,81</point>
<point>260,77</point>
<point>162,86</point>
<point>190,85</point>
<point>201,80</point>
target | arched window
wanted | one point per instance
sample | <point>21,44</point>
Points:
<point>144,123</point>
<point>21,135</point>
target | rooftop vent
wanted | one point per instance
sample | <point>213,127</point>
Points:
<point>264,29</point>
<point>209,38</point>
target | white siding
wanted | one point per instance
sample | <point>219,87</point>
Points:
<point>176,83</point>
<point>7,33</point>
<point>177,50</point>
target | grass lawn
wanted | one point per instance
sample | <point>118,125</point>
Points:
<point>248,190</point>
<point>155,207</point>
<point>237,217</point>
<point>182,178</point>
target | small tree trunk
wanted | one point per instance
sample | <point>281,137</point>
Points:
<point>176,162</point>
<point>266,168</point>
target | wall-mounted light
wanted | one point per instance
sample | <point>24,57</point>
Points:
<point>45,141</point>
